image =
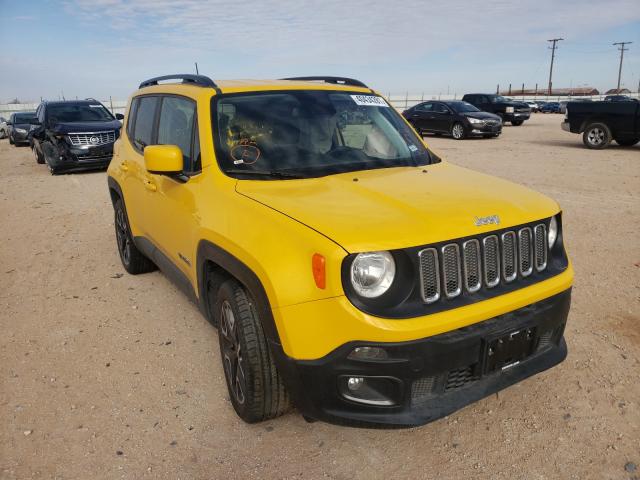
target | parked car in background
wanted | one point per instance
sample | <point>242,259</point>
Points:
<point>19,126</point>
<point>550,107</point>
<point>508,110</point>
<point>74,135</point>
<point>533,106</point>
<point>456,118</point>
<point>619,98</point>
<point>601,122</point>
<point>3,127</point>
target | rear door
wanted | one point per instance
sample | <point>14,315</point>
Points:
<point>422,116</point>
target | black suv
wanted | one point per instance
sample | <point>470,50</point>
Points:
<point>509,110</point>
<point>74,135</point>
<point>459,119</point>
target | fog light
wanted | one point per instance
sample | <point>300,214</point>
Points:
<point>376,391</point>
<point>354,383</point>
<point>368,353</point>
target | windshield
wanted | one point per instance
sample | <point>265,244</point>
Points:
<point>23,117</point>
<point>461,107</point>
<point>78,113</point>
<point>499,99</point>
<point>311,133</point>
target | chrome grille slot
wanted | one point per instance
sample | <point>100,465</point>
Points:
<point>471,263</point>
<point>540,235</point>
<point>92,139</point>
<point>429,275</point>
<point>491,261</point>
<point>525,250</point>
<point>509,256</point>
<point>452,280</point>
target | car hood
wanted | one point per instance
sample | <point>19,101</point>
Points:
<point>76,127</point>
<point>481,115</point>
<point>400,207</point>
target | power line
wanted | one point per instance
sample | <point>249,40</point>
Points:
<point>622,50</point>
<point>553,56</point>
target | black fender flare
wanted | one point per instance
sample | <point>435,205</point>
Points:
<point>208,251</point>
<point>115,186</point>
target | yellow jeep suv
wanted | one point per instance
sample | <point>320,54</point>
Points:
<point>349,270</point>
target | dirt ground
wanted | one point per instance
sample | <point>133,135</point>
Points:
<point>104,375</point>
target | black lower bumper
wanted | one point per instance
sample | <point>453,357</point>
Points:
<point>482,130</point>
<point>435,376</point>
<point>78,159</point>
<point>510,117</point>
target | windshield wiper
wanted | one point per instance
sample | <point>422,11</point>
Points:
<point>266,173</point>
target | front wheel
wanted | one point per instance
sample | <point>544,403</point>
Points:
<point>133,260</point>
<point>517,123</point>
<point>255,386</point>
<point>11,142</point>
<point>38,156</point>
<point>627,142</point>
<point>457,131</point>
<point>596,136</point>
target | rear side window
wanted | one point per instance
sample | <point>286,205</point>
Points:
<point>132,116</point>
<point>440,108</point>
<point>176,127</point>
<point>425,107</point>
<point>143,126</point>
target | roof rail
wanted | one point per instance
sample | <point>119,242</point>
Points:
<point>199,80</point>
<point>336,80</point>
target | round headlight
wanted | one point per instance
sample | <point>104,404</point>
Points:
<point>372,273</point>
<point>552,235</point>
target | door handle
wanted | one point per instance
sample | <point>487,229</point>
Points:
<point>150,185</point>
<point>124,167</point>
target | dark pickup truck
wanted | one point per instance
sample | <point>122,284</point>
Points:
<point>507,109</point>
<point>601,122</point>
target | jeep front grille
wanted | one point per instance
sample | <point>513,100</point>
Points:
<point>466,267</point>
<point>92,138</point>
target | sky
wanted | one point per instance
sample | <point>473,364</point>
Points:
<point>102,48</point>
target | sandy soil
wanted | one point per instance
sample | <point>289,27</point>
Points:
<point>106,375</point>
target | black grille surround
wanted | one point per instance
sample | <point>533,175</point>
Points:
<point>405,299</point>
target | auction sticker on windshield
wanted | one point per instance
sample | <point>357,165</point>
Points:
<point>369,100</point>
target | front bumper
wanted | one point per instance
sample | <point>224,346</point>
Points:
<point>484,129</point>
<point>20,137</point>
<point>65,158</point>
<point>566,126</point>
<point>436,375</point>
<point>509,117</point>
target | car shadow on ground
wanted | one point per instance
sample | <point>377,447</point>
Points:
<point>578,144</point>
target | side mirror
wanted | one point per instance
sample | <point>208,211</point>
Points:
<point>9,122</point>
<point>163,159</point>
<point>119,116</point>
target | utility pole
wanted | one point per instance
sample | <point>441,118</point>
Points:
<point>554,41</point>
<point>622,50</point>
<point>197,72</point>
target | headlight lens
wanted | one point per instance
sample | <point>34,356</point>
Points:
<point>552,235</point>
<point>509,110</point>
<point>372,273</point>
<point>475,120</point>
<point>21,130</point>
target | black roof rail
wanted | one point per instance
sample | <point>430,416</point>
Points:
<point>199,80</point>
<point>336,80</point>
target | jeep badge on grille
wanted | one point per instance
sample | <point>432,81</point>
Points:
<point>491,219</point>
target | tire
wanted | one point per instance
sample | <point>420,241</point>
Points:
<point>627,142</point>
<point>596,136</point>
<point>517,123</point>
<point>11,142</point>
<point>133,260</point>
<point>255,386</point>
<point>37,155</point>
<point>3,134</point>
<point>457,131</point>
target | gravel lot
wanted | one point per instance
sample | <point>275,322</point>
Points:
<point>106,375</point>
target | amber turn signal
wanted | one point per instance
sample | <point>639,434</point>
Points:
<point>319,271</point>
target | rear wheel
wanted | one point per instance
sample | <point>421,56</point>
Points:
<point>133,260</point>
<point>255,386</point>
<point>627,142</point>
<point>457,131</point>
<point>596,136</point>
